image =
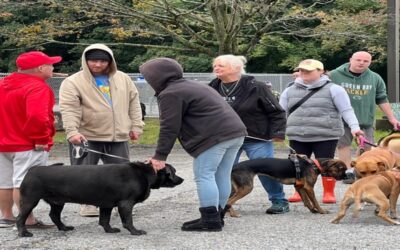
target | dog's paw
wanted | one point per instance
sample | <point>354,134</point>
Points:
<point>25,234</point>
<point>233,213</point>
<point>68,228</point>
<point>324,211</point>
<point>113,230</point>
<point>138,232</point>
<point>335,221</point>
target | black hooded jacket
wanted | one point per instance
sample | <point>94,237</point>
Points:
<point>258,108</point>
<point>190,111</point>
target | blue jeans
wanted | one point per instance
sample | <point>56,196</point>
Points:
<point>212,172</point>
<point>255,150</point>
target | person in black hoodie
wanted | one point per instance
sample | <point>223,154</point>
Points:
<point>196,115</point>
<point>260,111</point>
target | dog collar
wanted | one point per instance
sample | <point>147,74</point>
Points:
<point>316,162</point>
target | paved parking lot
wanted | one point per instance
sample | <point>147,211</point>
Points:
<point>164,212</point>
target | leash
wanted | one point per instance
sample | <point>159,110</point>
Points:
<point>258,139</point>
<point>363,141</point>
<point>292,151</point>
<point>316,163</point>
<point>81,151</point>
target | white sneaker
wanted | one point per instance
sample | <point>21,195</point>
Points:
<point>88,211</point>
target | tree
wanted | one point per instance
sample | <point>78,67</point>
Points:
<point>191,27</point>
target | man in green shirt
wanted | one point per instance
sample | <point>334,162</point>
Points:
<point>365,89</point>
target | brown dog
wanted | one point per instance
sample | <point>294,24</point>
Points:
<point>283,170</point>
<point>374,189</point>
<point>392,143</point>
<point>374,161</point>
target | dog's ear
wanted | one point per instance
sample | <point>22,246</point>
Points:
<point>382,166</point>
<point>353,164</point>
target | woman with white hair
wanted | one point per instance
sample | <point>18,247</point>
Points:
<point>261,113</point>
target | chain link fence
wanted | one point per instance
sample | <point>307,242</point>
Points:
<point>146,93</point>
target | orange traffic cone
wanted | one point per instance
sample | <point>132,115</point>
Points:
<point>329,190</point>
<point>295,197</point>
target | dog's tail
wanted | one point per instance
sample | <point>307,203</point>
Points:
<point>384,142</point>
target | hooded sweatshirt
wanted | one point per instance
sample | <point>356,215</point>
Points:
<point>365,91</point>
<point>26,113</point>
<point>86,110</point>
<point>192,112</point>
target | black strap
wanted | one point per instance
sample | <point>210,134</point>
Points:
<point>295,160</point>
<point>305,98</point>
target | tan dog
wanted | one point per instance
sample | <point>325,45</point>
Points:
<point>392,142</point>
<point>374,161</point>
<point>374,189</point>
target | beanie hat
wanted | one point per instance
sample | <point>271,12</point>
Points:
<point>34,59</point>
<point>98,54</point>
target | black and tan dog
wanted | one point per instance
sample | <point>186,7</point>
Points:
<point>284,171</point>
<point>105,186</point>
<point>381,189</point>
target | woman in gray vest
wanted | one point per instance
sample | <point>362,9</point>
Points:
<point>316,125</point>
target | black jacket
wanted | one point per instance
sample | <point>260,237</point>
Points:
<point>190,111</point>
<point>258,108</point>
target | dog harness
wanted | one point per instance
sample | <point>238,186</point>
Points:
<point>294,158</point>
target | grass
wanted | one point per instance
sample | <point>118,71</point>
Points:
<point>151,129</point>
<point>149,136</point>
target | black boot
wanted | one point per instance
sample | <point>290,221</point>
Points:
<point>210,221</point>
<point>221,211</point>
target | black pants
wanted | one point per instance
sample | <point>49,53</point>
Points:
<point>113,148</point>
<point>321,149</point>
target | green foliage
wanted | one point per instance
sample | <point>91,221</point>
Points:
<point>274,35</point>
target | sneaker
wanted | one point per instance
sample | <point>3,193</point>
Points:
<point>4,223</point>
<point>350,178</point>
<point>88,211</point>
<point>278,208</point>
<point>40,225</point>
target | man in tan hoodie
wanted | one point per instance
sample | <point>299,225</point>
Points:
<point>100,105</point>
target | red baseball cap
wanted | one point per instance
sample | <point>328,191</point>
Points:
<point>33,59</point>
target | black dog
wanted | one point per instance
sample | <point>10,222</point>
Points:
<point>284,170</point>
<point>105,186</point>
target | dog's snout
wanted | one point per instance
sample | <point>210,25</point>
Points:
<point>178,180</point>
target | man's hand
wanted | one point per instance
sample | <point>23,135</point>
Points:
<point>395,123</point>
<point>134,135</point>
<point>356,134</point>
<point>157,164</point>
<point>77,139</point>
<point>277,140</point>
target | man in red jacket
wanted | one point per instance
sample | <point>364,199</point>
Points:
<point>26,128</point>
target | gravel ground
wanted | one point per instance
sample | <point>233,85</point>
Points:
<point>166,209</point>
